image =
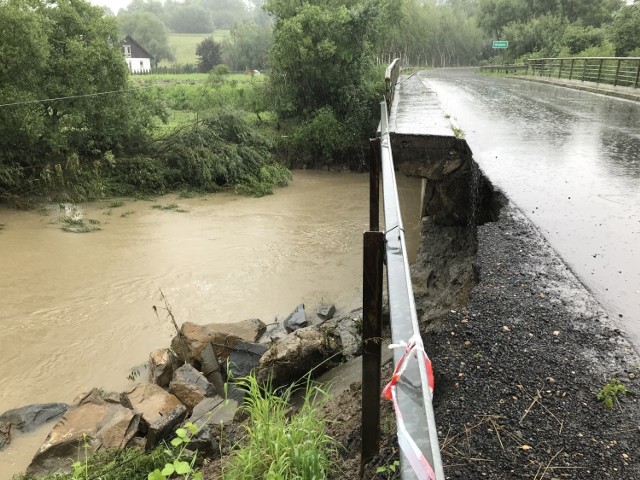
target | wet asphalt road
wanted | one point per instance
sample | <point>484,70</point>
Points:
<point>570,161</point>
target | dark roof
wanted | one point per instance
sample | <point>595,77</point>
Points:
<point>137,51</point>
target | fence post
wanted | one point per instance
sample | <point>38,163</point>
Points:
<point>584,69</point>
<point>371,344</point>
<point>374,184</point>
<point>615,80</point>
<point>637,75</point>
<point>560,70</point>
<point>600,70</point>
<point>573,60</point>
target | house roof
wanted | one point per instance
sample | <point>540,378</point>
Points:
<point>137,51</point>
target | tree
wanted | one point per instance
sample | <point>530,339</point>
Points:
<point>208,53</point>
<point>187,18</point>
<point>248,46</point>
<point>65,58</point>
<point>625,30</point>
<point>149,31</point>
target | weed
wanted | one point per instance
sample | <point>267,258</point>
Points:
<point>115,204</point>
<point>77,225</point>
<point>179,465</point>
<point>108,212</point>
<point>389,470</point>
<point>610,392</point>
<point>279,445</point>
<point>169,206</point>
<point>93,221</point>
<point>81,467</point>
<point>1,226</point>
<point>457,131</point>
<point>127,213</point>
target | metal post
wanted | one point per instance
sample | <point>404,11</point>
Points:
<point>371,344</point>
<point>374,184</point>
<point>584,69</point>
<point>615,80</point>
<point>600,70</point>
<point>637,75</point>
<point>560,70</point>
<point>571,69</point>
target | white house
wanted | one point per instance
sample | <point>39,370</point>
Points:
<point>137,58</point>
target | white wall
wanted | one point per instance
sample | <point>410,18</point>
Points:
<point>138,65</point>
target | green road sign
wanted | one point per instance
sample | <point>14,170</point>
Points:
<point>500,44</point>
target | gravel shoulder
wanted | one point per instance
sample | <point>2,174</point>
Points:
<point>517,374</point>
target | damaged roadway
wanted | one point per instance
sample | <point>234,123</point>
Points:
<point>518,371</point>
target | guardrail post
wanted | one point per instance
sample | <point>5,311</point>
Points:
<point>600,70</point>
<point>637,75</point>
<point>371,344</point>
<point>615,80</point>
<point>584,69</point>
<point>374,184</point>
<point>573,60</point>
<point>560,70</point>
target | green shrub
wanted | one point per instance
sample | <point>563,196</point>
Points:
<point>278,445</point>
<point>139,174</point>
<point>323,138</point>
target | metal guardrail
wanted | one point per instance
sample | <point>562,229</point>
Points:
<point>417,419</point>
<point>617,71</point>
<point>505,68</point>
<point>390,79</point>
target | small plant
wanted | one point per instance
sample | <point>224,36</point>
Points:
<point>457,131</point>
<point>93,221</point>
<point>115,204</point>
<point>168,206</point>
<point>610,392</point>
<point>1,226</point>
<point>81,467</point>
<point>127,213</point>
<point>389,470</point>
<point>179,465</point>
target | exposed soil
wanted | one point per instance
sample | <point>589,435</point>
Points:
<point>517,373</point>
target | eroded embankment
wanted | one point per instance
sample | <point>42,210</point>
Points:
<point>520,348</point>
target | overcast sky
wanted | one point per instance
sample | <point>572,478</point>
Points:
<point>114,5</point>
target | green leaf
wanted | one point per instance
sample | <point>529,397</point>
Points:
<point>197,476</point>
<point>176,441</point>
<point>156,475</point>
<point>181,432</point>
<point>168,470</point>
<point>381,469</point>
<point>181,467</point>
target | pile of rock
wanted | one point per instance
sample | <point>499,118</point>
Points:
<point>194,381</point>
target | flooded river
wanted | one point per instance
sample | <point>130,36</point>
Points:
<point>77,308</point>
<point>571,161</point>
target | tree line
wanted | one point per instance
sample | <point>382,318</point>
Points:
<point>63,130</point>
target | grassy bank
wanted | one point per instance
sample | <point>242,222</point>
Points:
<point>183,46</point>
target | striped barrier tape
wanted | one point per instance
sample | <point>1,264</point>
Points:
<point>417,460</point>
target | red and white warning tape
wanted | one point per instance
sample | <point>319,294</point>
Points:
<point>417,460</point>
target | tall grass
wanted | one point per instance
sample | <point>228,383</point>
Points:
<point>279,446</point>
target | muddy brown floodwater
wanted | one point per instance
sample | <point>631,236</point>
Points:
<point>77,308</point>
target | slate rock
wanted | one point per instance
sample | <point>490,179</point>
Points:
<point>296,319</point>
<point>161,411</point>
<point>101,424</point>
<point>162,364</point>
<point>30,417</point>
<point>190,386</point>
<point>273,333</point>
<point>326,311</point>
<point>210,368</point>
<point>5,434</point>
<point>244,358</point>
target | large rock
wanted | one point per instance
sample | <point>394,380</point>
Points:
<point>297,354</point>
<point>296,319</point>
<point>273,333</point>
<point>245,358</point>
<point>5,434</point>
<point>162,363</point>
<point>99,423</point>
<point>326,311</point>
<point>211,368</point>
<point>194,338</point>
<point>190,386</point>
<point>161,411</point>
<point>210,416</point>
<point>348,329</point>
<point>30,417</point>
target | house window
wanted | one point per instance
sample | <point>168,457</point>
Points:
<point>127,50</point>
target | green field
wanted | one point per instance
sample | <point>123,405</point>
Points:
<point>184,45</point>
